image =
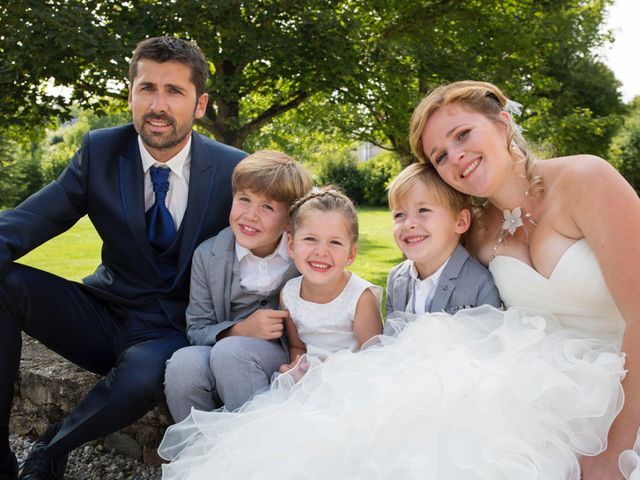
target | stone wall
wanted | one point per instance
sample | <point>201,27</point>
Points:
<point>49,387</point>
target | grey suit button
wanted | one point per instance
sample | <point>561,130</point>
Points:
<point>263,302</point>
<point>445,287</point>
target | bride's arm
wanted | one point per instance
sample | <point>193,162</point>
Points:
<point>607,211</point>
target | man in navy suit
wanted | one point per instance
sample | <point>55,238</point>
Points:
<point>127,318</point>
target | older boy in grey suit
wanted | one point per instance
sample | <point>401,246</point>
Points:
<point>233,321</point>
<point>429,220</point>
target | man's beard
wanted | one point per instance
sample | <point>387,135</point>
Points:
<point>163,140</point>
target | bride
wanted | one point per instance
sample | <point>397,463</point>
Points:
<point>535,392</point>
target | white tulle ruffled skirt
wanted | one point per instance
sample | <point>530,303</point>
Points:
<point>484,394</point>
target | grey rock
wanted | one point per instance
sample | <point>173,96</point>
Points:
<point>87,463</point>
<point>49,387</point>
<point>124,444</point>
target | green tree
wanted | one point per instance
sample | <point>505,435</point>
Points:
<point>344,172</point>
<point>625,147</point>
<point>266,56</point>
<point>363,64</point>
<point>20,171</point>
<point>59,145</point>
<point>377,175</point>
<point>538,52</point>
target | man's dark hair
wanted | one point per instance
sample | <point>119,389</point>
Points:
<point>172,49</point>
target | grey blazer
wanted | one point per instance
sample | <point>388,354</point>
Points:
<point>464,283</point>
<point>212,272</point>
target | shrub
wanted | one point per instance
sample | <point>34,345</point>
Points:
<point>20,169</point>
<point>377,173</point>
<point>343,172</point>
<point>625,149</point>
<point>364,182</point>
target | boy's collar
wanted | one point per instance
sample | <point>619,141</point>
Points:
<point>281,250</point>
<point>435,276</point>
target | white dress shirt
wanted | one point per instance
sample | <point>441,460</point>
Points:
<point>263,274</point>
<point>423,290</point>
<point>178,193</point>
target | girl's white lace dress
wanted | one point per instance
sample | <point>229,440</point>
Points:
<point>327,327</point>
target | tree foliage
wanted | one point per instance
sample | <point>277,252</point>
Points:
<point>266,57</point>
<point>27,162</point>
<point>625,147</point>
<point>20,173</point>
<point>359,65</point>
<point>538,52</point>
<point>60,144</point>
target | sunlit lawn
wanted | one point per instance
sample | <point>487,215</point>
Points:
<point>377,251</point>
<point>76,253</point>
<point>73,255</point>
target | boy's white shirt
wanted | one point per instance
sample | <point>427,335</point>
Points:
<point>263,274</point>
<point>423,290</point>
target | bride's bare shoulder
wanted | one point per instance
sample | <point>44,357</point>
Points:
<point>569,176</point>
<point>577,167</point>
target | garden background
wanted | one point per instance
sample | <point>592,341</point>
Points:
<point>331,82</point>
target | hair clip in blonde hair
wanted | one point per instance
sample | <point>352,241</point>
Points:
<point>513,108</point>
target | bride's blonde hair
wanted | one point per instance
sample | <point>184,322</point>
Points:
<point>481,97</point>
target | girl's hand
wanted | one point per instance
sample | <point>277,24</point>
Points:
<point>297,368</point>
<point>286,367</point>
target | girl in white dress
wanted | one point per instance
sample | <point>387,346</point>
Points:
<point>330,309</point>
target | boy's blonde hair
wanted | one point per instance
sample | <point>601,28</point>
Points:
<point>325,199</point>
<point>425,173</point>
<point>273,174</point>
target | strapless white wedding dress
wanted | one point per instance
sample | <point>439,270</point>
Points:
<point>484,394</point>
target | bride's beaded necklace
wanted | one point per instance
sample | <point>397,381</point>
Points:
<point>512,221</point>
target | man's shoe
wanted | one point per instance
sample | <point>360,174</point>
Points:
<point>9,468</point>
<point>38,465</point>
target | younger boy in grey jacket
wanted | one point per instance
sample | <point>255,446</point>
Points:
<point>233,320</point>
<point>429,221</point>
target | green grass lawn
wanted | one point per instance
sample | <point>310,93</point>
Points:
<point>377,252</point>
<point>73,255</point>
<point>76,253</point>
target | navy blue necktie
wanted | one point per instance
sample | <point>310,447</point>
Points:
<point>160,227</point>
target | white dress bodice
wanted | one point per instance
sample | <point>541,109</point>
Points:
<point>327,327</point>
<point>575,292</point>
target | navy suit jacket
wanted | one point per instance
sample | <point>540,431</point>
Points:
<point>104,180</point>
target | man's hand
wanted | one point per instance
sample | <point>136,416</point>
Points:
<point>265,324</point>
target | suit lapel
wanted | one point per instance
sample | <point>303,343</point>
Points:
<point>132,196</point>
<point>200,186</point>
<point>401,287</point>
<point>221,264</point>
<point>291,272</point>
<point>445,286</point>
